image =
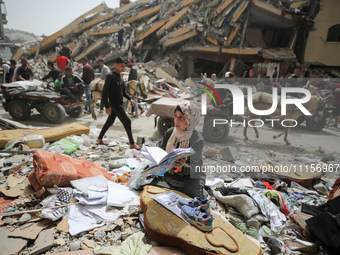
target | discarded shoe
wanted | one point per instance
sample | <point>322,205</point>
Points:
<point>195,203</point>
<point>198,217</point>
<point>273,244</point>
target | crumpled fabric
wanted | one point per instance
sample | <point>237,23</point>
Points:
<point>133,245</point>
<point>269,209</point>
<point>243,203</point>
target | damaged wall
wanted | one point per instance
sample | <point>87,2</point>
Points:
<point>252,31</point>
<point>318,50</point>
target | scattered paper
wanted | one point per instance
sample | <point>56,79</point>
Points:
<point>80,222</point>
<point>170,201</point>
<point>120,195</point>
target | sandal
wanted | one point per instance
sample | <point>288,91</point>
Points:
<point>135,146</point>
<point>101,142</point>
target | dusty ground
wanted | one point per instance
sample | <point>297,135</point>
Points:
<point>302,140</point>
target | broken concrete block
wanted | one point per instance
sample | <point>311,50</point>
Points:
<point>229,154</point>
<point>44,241</point>
<point>117,163</point>
<point>210,153</point>
<point>17,56</point>
<point>29,230</point>
<point>105,31</point>
<point>50,41</point>
<point>179,39</point>
<point>25,217</point>
<point>91,23</point>
<point>152,29</point>
<point>239,12</point>
<point>10,245</point>
<point>173,20</point>
<point>169,69</point>
<point>161,74</point>
<point>93,47</point>
<point>144,14</point>
<point>75,246</point>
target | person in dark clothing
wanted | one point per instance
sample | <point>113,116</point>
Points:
<point>24,72</point>
<point>65,50</point>
<point>183,176</point>
<point>133,76</point>
<point>54,73</point>
<point>113,92</point>
<point>88,76</point>
<point>274,76</point>
<point>72,85</point>
<point>12,65</point>
<point>120,37</point>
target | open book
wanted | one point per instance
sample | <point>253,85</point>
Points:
<point>163,161</point>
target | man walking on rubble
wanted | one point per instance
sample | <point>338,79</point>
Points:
<point>105,70</point>
<point>72,85</point>
<point>113,92</point>
<point>88,76</point>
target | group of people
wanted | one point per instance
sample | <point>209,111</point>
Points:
<point>15,72</point>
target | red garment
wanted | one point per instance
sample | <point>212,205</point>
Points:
<point>62,62</point>
<point>267,185</point>
<point>336,93</point>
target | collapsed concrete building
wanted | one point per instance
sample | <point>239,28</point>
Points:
<point>196,36</point>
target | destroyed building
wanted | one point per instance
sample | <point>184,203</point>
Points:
<point>195,36</point>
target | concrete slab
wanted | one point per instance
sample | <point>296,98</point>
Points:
<point>44,241</point>
<point>10,245</point>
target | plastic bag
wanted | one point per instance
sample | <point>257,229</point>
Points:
<point>94,131</point>
<point>56,149</point>
<point>137,179</point>
<point>68,144</point>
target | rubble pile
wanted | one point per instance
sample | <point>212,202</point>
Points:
<point>88,214</point>
<point>165,31</point>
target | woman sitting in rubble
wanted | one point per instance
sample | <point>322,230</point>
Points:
<point>183,177</point>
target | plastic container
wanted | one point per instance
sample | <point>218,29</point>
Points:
<point>34,141</point>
